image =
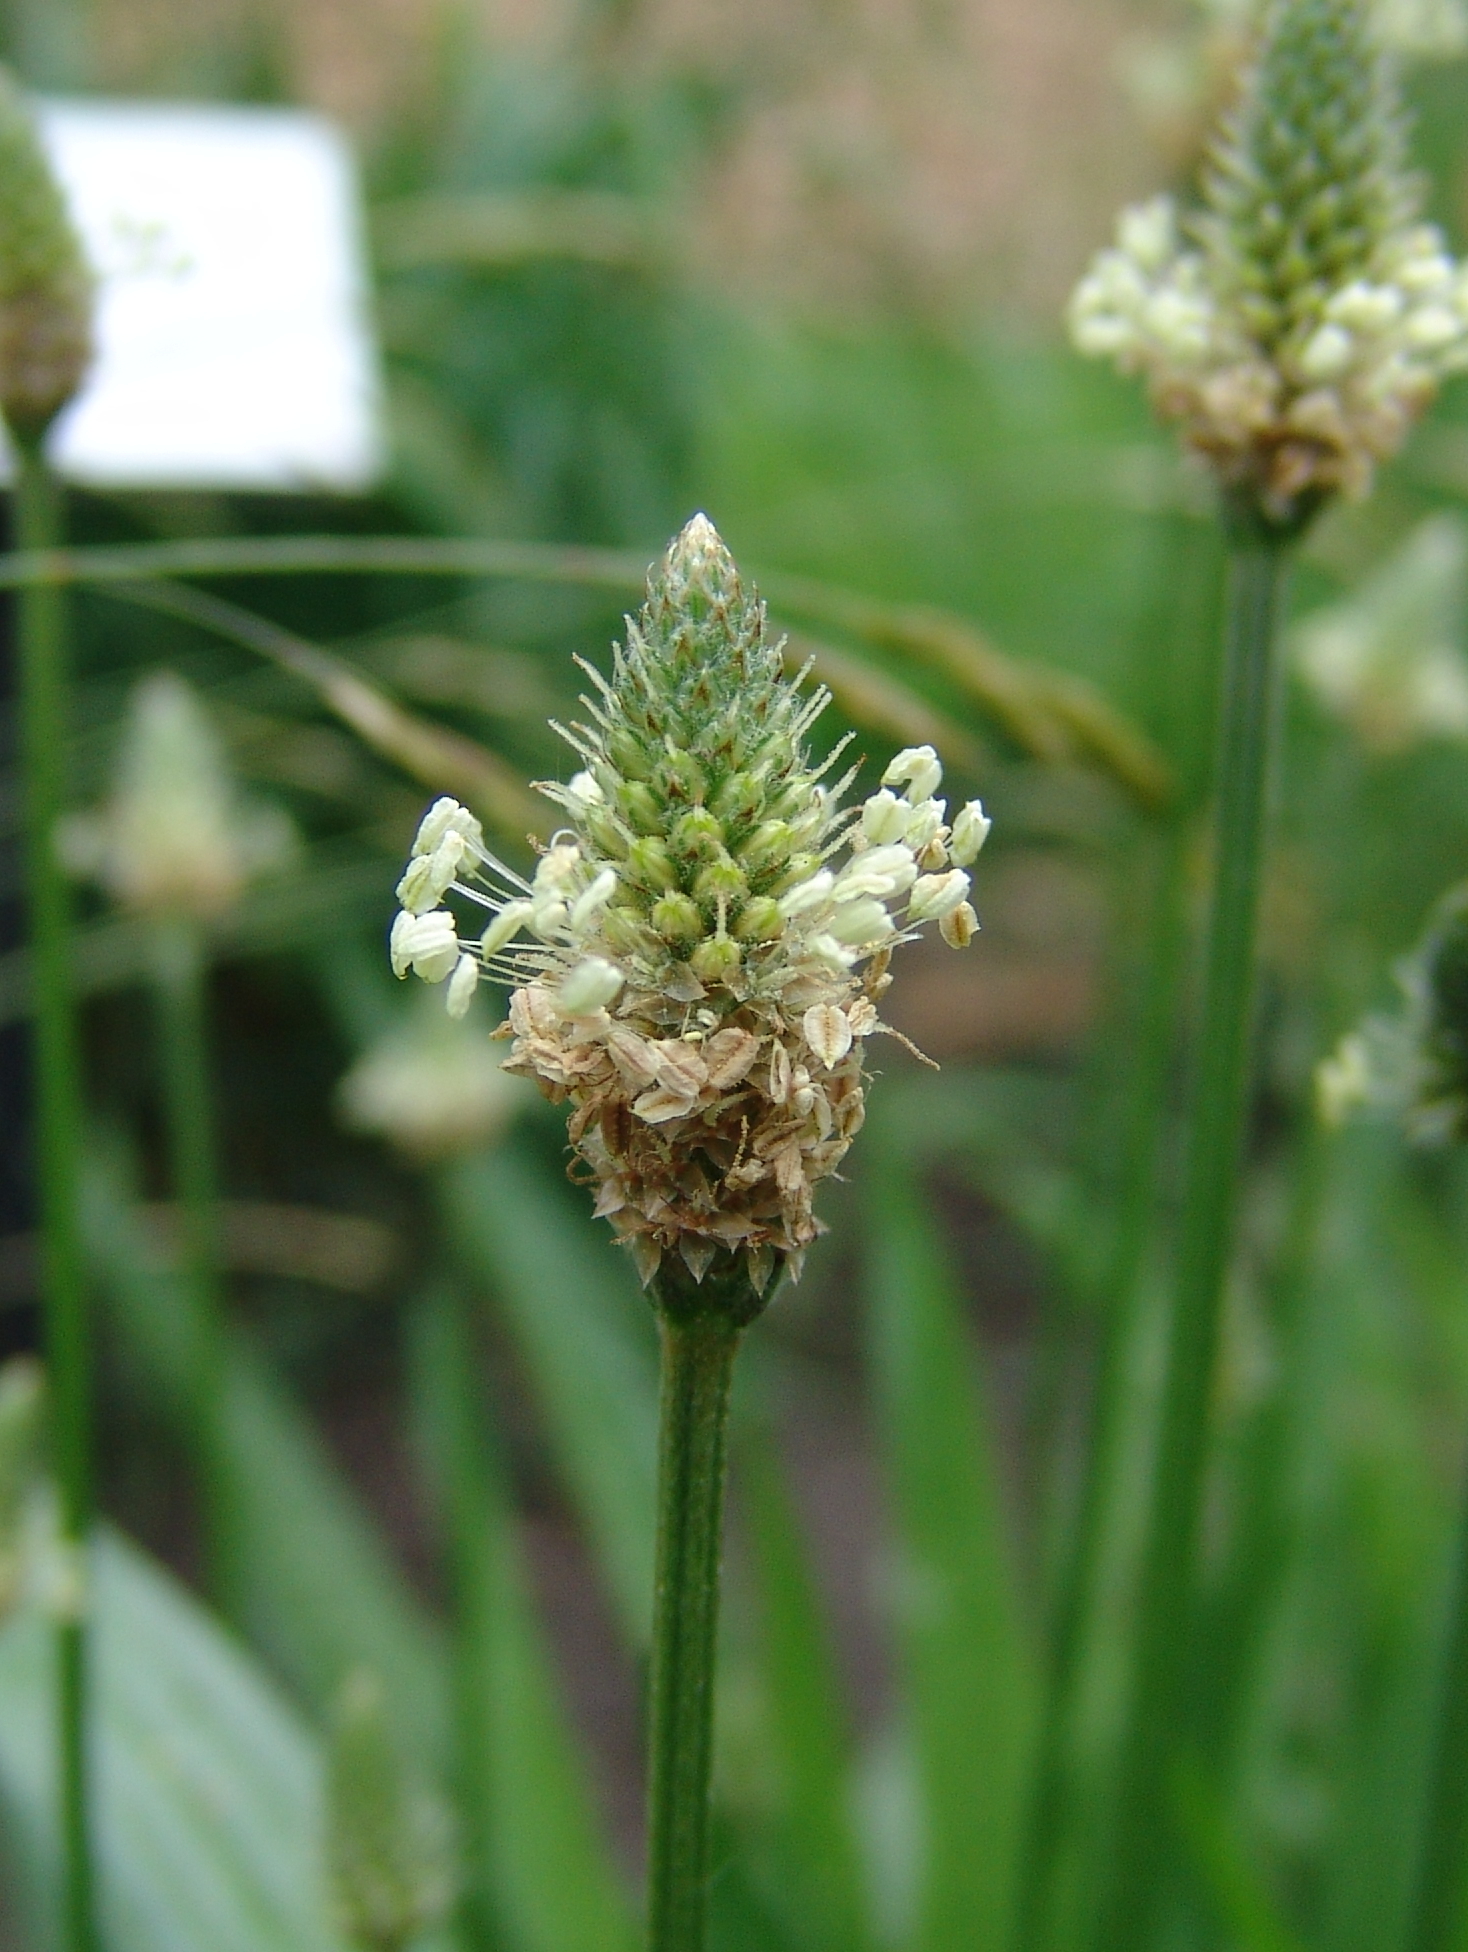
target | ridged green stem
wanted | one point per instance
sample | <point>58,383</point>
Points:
<point>179,988</point>
<point>1439,1915</point>
<point>700,1339</point>
<point>41,632</point>
<point>1217,1114</point>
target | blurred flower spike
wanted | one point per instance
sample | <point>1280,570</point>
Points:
<point>697,961</point>
<point>175,841</point>
<point>390,1856</point>
<point>1412,1067</point>
<point>433,1086</point>
<point>1389,659</point>
<point>1300,320</point>
<point>45,285</point>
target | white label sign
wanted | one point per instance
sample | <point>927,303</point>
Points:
<point>233,349</point>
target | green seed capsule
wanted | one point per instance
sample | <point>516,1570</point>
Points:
<point>639,805</point>
<point>800,867</point>
<point>715,960</point>
<point>721,880</point>
<point>771,841</point>
<point>628,754</point>
<point>679,778</point>
<point>677,918</point>
<point>649,862</point>
<point>698,831</point>
<point>739,797</point>
<point>600,826</point>
<point>759,920</point>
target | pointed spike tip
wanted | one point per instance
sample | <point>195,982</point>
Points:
<point>699,564</point>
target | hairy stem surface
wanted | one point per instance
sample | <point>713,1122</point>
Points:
<point>41,644</point>
<point>698,1350</point>
<point>1214,1145</point>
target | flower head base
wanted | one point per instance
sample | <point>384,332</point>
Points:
<point>45,286</point>
<point>1301,321</point>
<point>1413,1067</point>
<point>176,839</point>
<point>697,961</point>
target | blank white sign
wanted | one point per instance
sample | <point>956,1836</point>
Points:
<point>233,348</point>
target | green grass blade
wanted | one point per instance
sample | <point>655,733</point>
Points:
<point>586,1338</point>
<point>968,1675</point>
<point>815,1838</point>
<point>208,1784</point>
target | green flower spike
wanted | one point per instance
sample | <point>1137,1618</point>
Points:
<point>1297,323</point>
<point>45,285</point>
<point>697,961</point>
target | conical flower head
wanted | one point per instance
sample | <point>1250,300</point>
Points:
<point>177,838</point>
<point>45,286</point>
<point>1308,181</point>
<point>1298,324</point>
<point>697,960</point>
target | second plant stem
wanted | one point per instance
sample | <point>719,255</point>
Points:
<point>1218,1110</point>
<point>41,645</point>
<point>699,1344</point>
<point>180,978</point>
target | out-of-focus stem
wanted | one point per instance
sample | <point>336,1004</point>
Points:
<point>1214,1146</point>
<point>41,634</point>
<point>179,985</point>
<point>1148,1112</point>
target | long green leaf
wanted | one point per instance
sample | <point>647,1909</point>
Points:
<point>208,1786</point>
<point>967,1674</point>
<point>325,1598</point>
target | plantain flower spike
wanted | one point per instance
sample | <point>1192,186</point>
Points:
<point>1298,322</point>
<point>1412,1067</point>
<point>697,961</point>
<point>45,284</point>
<point>432,1086</point>
<point>390,1856</point>
<point>176,840</point>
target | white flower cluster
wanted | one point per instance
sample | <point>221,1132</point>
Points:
<point>905,866</point>
<point>1318,410</point>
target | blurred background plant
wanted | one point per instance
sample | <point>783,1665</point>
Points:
<point>803,268</point>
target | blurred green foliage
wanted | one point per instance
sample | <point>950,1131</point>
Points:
<point>558,373</point>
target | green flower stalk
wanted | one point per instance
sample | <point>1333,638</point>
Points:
<point>1297,322</point>
<point>175,847</point>
<point>1293,325</point>
<point>696,966</point>
<point>44,350</point>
